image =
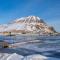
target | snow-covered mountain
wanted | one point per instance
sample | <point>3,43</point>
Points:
<point>29,24</point>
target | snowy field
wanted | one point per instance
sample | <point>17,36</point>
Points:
<point>31,48</point>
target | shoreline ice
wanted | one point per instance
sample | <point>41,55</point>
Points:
<point>15,56</point>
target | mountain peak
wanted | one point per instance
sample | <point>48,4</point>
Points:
<point>29,19</point>
<point>34,17</point>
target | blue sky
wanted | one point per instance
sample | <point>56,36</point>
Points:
<point>49,10</point>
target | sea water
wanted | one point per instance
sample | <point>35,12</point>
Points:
<point>48,45</point>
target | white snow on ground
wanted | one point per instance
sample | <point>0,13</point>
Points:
<point>14,56</point>
<point>4,56</point>
<point>35,57</point>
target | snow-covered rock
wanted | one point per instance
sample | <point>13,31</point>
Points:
<point>29,24</point>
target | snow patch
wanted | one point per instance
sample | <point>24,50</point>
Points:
<point>35,57</point>
<point>15,56</point>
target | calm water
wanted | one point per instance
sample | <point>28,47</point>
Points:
<point>47,45</point>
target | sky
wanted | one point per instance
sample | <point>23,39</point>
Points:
<point>48,10</point>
